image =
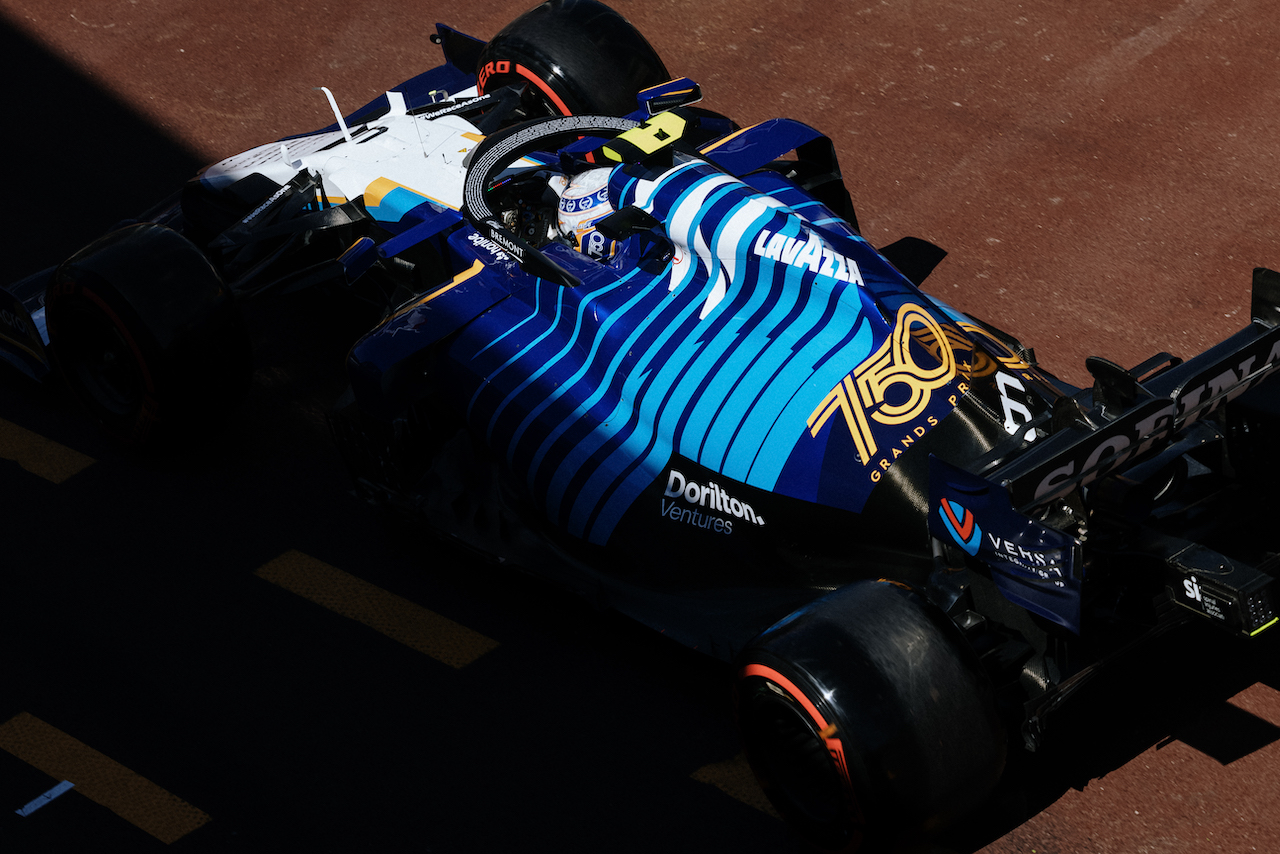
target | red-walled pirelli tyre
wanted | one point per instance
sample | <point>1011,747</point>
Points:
<point>577,56</point>
<point>866,716</point>
<point>146,334</point>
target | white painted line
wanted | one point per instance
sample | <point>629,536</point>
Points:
<point>100,778</point>
<point>62,788</point>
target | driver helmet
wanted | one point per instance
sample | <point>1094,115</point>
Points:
<point>583,203</point>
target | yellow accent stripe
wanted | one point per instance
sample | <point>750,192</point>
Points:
<point>399,619</point>
<point>100,778</point>
<point>471,272</point>
<point>38,455</point>
<point>1262,629</point>
<point>735,778</point>
<point>380,188</point>
<point>30,351</point>
<point>713,146</point>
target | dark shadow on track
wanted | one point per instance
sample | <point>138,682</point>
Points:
<point>79,159</point>
<point>1176,689</point>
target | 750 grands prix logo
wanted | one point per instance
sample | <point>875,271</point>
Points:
<point>893,389</point>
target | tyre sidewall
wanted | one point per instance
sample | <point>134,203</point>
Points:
<point>898,702</point>
<point>80,302</point>
<point>177,330</point>
<point>582,56</point>
<point>835,818</point>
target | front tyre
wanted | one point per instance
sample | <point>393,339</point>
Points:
<point>573,57</point>
<point>866,716</point>
<point>146,335</point>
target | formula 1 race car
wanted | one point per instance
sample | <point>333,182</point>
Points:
<point>623,343</point>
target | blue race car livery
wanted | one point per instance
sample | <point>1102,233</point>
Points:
<point>618,340</point>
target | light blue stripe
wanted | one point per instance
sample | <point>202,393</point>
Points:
<point>396,204</point>
<point>659,415</point>
<point>755,403</point>
<point>579,455</point>
<point>749,271</point>
<point>620,415</point>
<point>569,346</point>
<point>648,400</point>
<point>643,398</point>
<point>813,374</point>
<point>568,385</point>
<point>715,414</point>
<point>701,357</point>
<point>555,322</point>
<point>780,440</point>
<point>761,272</point>
<point>794,369</point>
<point>537,307</point>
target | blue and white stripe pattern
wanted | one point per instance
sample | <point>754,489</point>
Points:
<point>720,358</point>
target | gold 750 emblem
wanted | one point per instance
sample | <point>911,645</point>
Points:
<point>890,386</point>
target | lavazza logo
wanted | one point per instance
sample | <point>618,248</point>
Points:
<point>684,500</point>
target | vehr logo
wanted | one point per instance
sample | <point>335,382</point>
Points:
<point>962,525</point>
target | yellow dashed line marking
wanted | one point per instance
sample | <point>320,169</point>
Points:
<point>735,779</point>
<point>394,616</point>
<point>38,455</point>
<point>100,778</point>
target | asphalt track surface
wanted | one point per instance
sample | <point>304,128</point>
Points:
<point>1104,176</point>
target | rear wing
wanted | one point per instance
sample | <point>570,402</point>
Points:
<point>1099,430</point>
<point>989,509</point>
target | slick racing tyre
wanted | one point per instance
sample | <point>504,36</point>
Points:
<point>865,717</point>
<point>574,57</point>
<point>146,334</point>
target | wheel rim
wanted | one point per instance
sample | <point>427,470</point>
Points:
<point>101,361</point>
<point>792,761</point>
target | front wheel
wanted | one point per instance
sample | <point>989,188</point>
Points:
<point>572,57</point>
<point>146,335</point>
<point>866,716</point>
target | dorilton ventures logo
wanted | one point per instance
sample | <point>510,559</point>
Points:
<point>688,498</point>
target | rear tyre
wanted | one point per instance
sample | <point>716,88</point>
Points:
<point>866,717</point>
<point>146,335</point>
<point>576,57</point>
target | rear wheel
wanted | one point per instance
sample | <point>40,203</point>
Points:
<point>573,57</point>
<point>865,717</point>
<point>146,335</point>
